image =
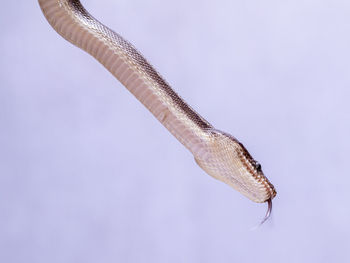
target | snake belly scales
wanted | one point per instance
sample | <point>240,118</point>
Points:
<point>218,153</point>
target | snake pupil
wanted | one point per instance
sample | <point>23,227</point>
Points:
<point>258,166</point>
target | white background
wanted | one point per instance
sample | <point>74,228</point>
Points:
<point>88,175</point>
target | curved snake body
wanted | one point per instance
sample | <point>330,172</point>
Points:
<point>216,152</point>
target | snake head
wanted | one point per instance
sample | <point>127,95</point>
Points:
<point>227,160</point>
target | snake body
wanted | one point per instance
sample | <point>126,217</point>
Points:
<point>216,152</point>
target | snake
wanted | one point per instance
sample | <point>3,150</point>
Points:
<point>218,153</point>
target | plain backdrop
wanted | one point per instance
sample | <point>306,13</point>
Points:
<point>87,174</point>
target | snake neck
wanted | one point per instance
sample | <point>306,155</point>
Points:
<point>71,20</point>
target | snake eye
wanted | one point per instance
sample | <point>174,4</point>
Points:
<point>258,166</point>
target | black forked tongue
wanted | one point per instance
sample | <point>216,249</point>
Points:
<point>268,212</point>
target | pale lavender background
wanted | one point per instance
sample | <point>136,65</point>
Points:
<point>88,175</point>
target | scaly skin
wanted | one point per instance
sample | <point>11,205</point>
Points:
<point>217,153</point>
